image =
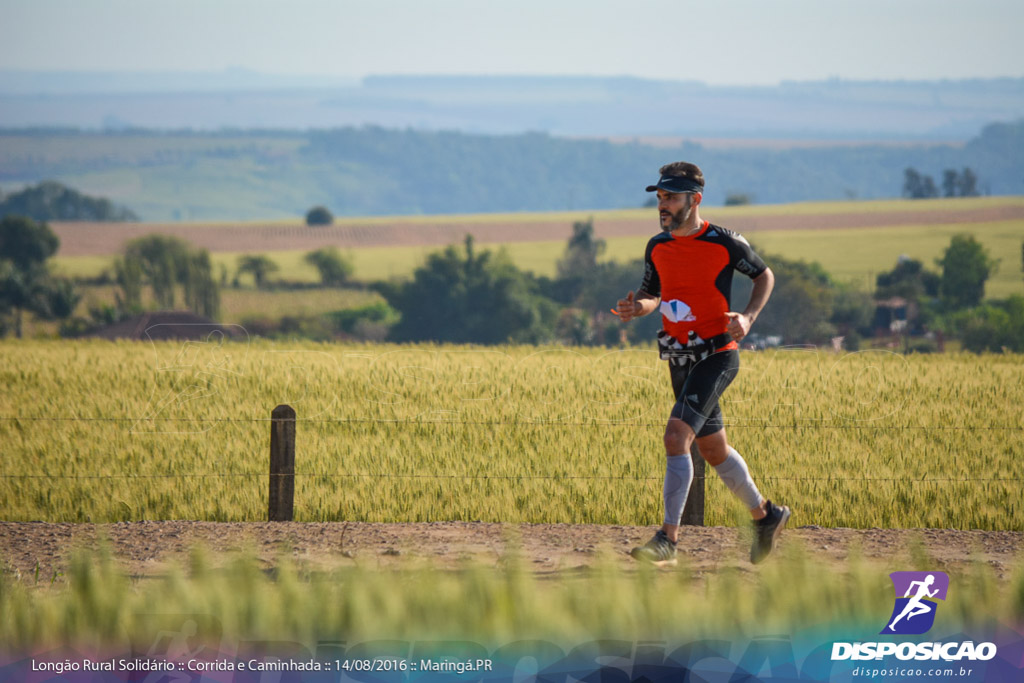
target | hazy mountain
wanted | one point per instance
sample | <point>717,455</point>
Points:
<point>374,170</point>
<point>567,106</point>
<point>124,82</point>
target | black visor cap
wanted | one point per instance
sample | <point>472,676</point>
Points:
<point>676,184</point>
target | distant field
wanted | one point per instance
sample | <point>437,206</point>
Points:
<point>850,253</point>
<point>239,304</point>
<point>372,263</point>
<point>102,239</point>
<point>858,255</point>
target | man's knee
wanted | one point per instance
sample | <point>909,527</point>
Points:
<point>714,448</point>
<point>678,437</point>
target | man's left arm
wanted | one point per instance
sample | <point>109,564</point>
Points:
<point>740,323</point>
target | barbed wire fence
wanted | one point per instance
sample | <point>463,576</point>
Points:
<point>282,473</point>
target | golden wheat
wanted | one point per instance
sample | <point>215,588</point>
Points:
<point>104,432</point>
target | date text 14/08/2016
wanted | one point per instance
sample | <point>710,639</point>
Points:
<point>448,666</point>
<point>282,665</point>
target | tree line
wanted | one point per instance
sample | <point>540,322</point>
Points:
<point>471,295</point>
<point>917,185</point>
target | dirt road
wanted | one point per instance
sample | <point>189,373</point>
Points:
<point>143,548</point>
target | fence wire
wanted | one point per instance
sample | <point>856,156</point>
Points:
<point>506,423</point>
<point>493,423</point>
<point>497,477</point>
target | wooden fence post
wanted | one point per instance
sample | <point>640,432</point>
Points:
<point>693,513</point>
<point>282,464</point>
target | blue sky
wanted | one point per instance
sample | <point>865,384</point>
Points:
<point>718,42</point>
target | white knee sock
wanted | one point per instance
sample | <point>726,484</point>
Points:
<point>736,476</point>
<point>678,477</point>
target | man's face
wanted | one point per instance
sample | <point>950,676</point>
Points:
<point>674,208</point>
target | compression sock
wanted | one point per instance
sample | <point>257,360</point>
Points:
<point>678,477</point>
<point>733,471</point>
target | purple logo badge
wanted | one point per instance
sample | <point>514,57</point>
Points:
<point>916,596</point>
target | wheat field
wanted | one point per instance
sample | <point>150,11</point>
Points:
<point>105,432</point>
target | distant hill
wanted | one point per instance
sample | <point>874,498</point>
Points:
<point>241,175</point>
<point>564,106</point>
<point>51,201</point>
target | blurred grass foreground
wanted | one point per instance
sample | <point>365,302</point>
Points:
<point>236,598</point>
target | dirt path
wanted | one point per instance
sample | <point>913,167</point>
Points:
<point>80,239</point>
<point>143,548</point>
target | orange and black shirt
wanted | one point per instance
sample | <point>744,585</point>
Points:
<point>693,277</point>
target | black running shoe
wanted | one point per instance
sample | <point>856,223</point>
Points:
<point>767,530</point>
<point>659,551</point>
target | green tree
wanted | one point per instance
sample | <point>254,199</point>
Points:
<point>963,184</point>
<point>26,284</point>
<point>993,326</point>
<point>908,279</point>
<point>967,183</point>
<point>202,294</point>
<point>334,267</point>
<point>966,266</point>
<point>595,294</point>
<point>801,305</point>
<point>738,199</point>
<point>51,201</point>
<point>166,263</point>
<point>318,216</point>
<point>371,322</point>
<point>575,327</point>
<point>24,241</point>
<point>259,266</point>
<point>918,186</point>
<point>129,276</point>
<point>470,297</point>
<point>950,183</point>
<point>590,288</point>
<point>852,310</point>
<point>576,269</point>
<point>22,289</point>
<point>163,262</point>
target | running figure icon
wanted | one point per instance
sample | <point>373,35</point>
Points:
<point>916,605</point>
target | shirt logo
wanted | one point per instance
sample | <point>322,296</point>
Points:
<point>916,595</point>
<point>677,311</point>
<point>648,272</point>
<point>745,266</point>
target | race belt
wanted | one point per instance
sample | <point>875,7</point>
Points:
<point>695,348</point>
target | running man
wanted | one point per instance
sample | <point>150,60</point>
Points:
<point>688,278</point>
<point>915,606</point>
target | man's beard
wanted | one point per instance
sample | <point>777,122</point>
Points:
<point>678,218</point>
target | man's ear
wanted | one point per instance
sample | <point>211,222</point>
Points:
<point>697,197</point>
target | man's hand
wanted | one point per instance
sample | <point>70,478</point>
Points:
<point>628,308</point>
<point>739,325</point>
